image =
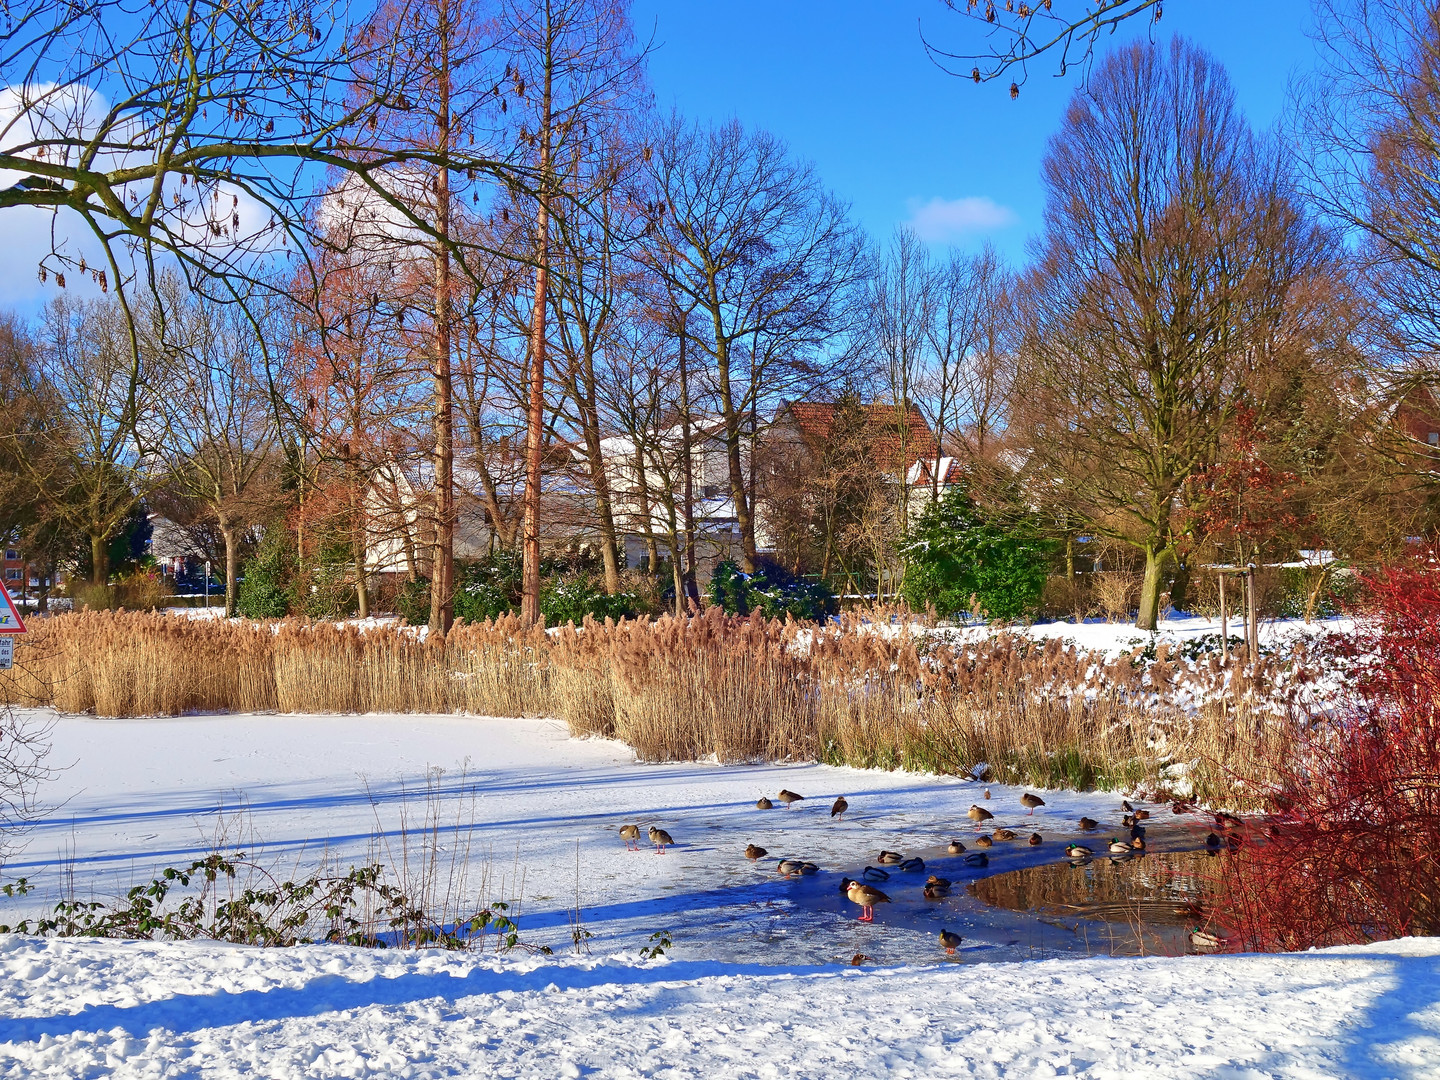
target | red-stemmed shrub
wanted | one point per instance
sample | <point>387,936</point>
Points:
<point>1351,850</point>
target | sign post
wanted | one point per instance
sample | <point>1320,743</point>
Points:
<point>10,625</point>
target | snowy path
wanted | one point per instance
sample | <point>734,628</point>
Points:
<point>141,1010</point>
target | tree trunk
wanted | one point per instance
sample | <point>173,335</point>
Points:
<point>442,569</point>
<point>1070,558</point>
<point>99,559</point>
<point>731,419</point>
<point>535,411</point>
<point>1157,560</point>
<point>692,589</point>
<point>1180,586</point>
<point>232,567</point>
<point>1312,598</point>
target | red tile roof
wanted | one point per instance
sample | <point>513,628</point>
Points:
<point>816,419</point>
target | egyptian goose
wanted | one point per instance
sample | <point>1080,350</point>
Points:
<point>631,835</point>
<point>867,896</point>
<point>789,797</point>
<point>983,840</point>
<point>1036,838</point>
<point>753,852</point>
<point>1088,824</point>
<point>978,814</point>
<point>763,803</point>
<point>955,848</point>
<point>1030,801</point>
<point>890,858</point>
<point>1004,834</point>
<point>949,941</point>
<point>838,810</point>
<point>661,839</point>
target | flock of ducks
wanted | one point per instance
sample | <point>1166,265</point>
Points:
<point>865,895</point>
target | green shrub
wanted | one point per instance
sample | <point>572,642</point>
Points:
<point>412,601</point>
<point>958,560</point>
<point>488,588</point>
<point>266,580</point>
<point>570,599</point>
<point>770,591</point>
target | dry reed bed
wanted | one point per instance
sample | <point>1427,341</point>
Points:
<point>714,686</point>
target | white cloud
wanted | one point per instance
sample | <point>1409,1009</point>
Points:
<point>948,221</point>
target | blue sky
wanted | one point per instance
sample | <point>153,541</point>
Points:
<point>848,85</point>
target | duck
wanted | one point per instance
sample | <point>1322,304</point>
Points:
<point>867,896</point>
<point>1004,834</point>
<point>1125,806</point>
<point>890,858</point>
<point>987,793</point>
<point>1119,847</point>
<point>1181,808</point>
<point>1137,841</point>
<point>763,803</point>
<point>1035,839</point>
<point>860,958</point>
<point>955,847</point>
<point>1078,851</point>
<point>1228,821</point>
<point>1207,939</point>
<point>942,882</point>
<point>839,808</point>
<point>977,858</point>
<point>753,852</point>
<point>874,873</point>
<point>978,814</point>
<point>1089,824</point>
<point>661,839</point>
<point>631,835</point>
<point>808,868</point>
<point>983,840</point>
<point>913,866</point>
<point>789,797</point>
<point>1213,842</point>
<point>1141,815</point>
<point>1030,801</point>
<point>935,892</point>
<point>949,941</point>
<point>788,867</point>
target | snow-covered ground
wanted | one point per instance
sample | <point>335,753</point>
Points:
<point>756,984</point>
<point>1113,638</point>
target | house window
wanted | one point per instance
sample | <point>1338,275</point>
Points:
<point>11,555</point>
<point>1435,438</point>
<point>12,575</point>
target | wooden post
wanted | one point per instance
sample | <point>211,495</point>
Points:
<point>1252,614</point>
<point>1224,623</point>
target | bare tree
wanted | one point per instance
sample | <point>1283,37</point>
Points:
<point>748,238</point>
<point>1173,261</point>
<point>902,311</point>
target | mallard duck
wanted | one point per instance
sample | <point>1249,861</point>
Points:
<point>867,896</point>
<point>661,839</point>
<point>1119,847</point>
<point>1036,838</point>
<point>943,882</point>
<point>763,803</point>
<point>1128,821</point>
<point>874,873</point>
<point>1207,939</point>
<point>987,793</point>
<point>955,848</point>
<point>1212,842</point>
<point>1228,821</point>
<point>978,814</point>
<point>788,867</point>
<point>1125,805</point>
<point>808,868</point>
<point>1137,842</point>
<point>1004,834</point>
<point>1181,808</point>
<point>1142,815</point>
<point>936,892</point>
<point>839,808</point>
<point>977,858</point>
<point>890,858</point>
<point>1030,801</point>
<point>1089,824</point>
<point>913,866</point>
<point>631,835</point>
<point>983,840</point>
<point>789,797</point>
<point>949,941</point>
<point>753,852</point>
<point>1078,851</point>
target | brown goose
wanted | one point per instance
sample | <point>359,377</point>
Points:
<point>978,814</point>
<point>753,852</point>
<point>631,835</point>
<point>1088,824</point>
<point>867,896</point>
<point>955,848</point>
<point>838,810</point>
<point>1035,839</point>
<point>890,858</point>
<point>1004,834</point>
<point>1030,801</point>
<point>763,803</point>
<point>949,941</point>
<point>789,797</point>
<point>983,840</point>
<point>661,839</point>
